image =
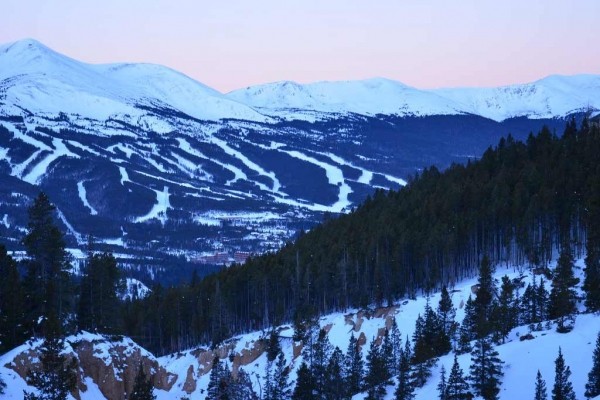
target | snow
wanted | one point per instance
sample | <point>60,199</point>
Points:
<point>159,210</point>
<point>83,197</point>
<point>554,96</point>
<point>134,289</point>
<point>39,170</point>
<point>335,177</point>
<point>124,175</point>
<point>45,82</point>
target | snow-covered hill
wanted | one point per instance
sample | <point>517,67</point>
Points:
<point>41,81</point>
<point>187,373</point>
<point>554,96</point>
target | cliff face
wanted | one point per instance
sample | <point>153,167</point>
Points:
<point>107,365</point>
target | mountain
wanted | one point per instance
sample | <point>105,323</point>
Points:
<point>172,176</point>
<point>554,96</point>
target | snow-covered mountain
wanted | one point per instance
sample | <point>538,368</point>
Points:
<point>554,96</point>
<point>41,81</point>
<point>107,365</point>
<point>154,164</point>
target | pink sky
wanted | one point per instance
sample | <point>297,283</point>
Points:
<point>231,44</point>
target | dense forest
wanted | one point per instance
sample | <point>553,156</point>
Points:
<point>521,202</point>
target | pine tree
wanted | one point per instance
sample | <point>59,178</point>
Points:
<point>321,353</point>
<point>304,384</point>
<point>218,381</point>
<point>47,282</point>
<point>592,387</point>
<point>562,296</point>
<point>387,352</point>
<point>484,298</point>
<point>99,305</point>
<point>486,369</point>
<point>278,381</point>
<point>56,377</point>
<point>142,387</point>
<point>335,389</point>
<point>442,387</point>
<point>11,303</point>
<point>457,386</point>
<point>377,374</point>
<point>467,328</point>
<point>242,388</point>
<point>273,346</point>
<point>591,282</point>
<point>430,342</point>
<point>396,339</point>
<point>2,385</point>
<point>354,367</point>
<point>405,388</point>
<point>447,313</point>
<point>540,387</point>
<point>563,389</point>
<point>504,312</point>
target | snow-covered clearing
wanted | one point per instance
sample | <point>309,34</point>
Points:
<point>83,197</point>
<point>159,210</point>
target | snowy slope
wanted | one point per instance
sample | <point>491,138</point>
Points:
<point>38,79</point>
<point>521,359</point>
<point>554,96</point>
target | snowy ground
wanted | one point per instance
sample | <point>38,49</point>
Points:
<point>522,358</point>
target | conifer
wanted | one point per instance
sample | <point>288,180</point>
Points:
<point>563,388</point>
<point>592,387</point>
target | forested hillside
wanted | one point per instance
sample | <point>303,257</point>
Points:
<point>520,202</point>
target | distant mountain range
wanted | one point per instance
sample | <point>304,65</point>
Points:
<point>157,166</point>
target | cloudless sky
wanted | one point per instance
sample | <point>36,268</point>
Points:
<point>229,44</point>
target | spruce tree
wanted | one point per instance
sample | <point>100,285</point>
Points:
<point>457,386</point>
<point>540,388</point>
<point>591,282</point>
<point>467,329</point>
<point>354,367</point>
<point>242,388</point>
<point>335,388</point>
<point>279,381</point>
<point>47,284</point>
<point>377,374</point>
<point>442,386</point>
<point>563,388</point>
<point>56,377</point>
<point>447,313</point>
<point>273,346</point>
<point>486,369</point>
<point>405,388</point>
<point>396,339</point>
<point>562,296</point>
<point>592,387</point>
<point>504,312</point>
<point>217,381</point>
<point>142,387</point>
<point>322,350</point>
<point>11,303</point>
<point>484,298</point>
<point>304,384</point>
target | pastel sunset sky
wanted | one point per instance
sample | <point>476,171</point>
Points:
<point>230,44</point>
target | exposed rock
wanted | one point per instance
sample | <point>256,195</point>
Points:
<point>190,381</point>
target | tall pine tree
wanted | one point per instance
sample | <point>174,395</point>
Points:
<point>563,388</point>
<point>457,386</point>
<point>562,296</point>
<point>592,387</point>
<point>486,369</point>
<point>11,303</point>
<point>540,388</point>
<point>354,367</point>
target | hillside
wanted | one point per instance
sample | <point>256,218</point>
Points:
<point>171,374</point>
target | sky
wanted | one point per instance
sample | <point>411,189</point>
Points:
<point>230,44</point>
